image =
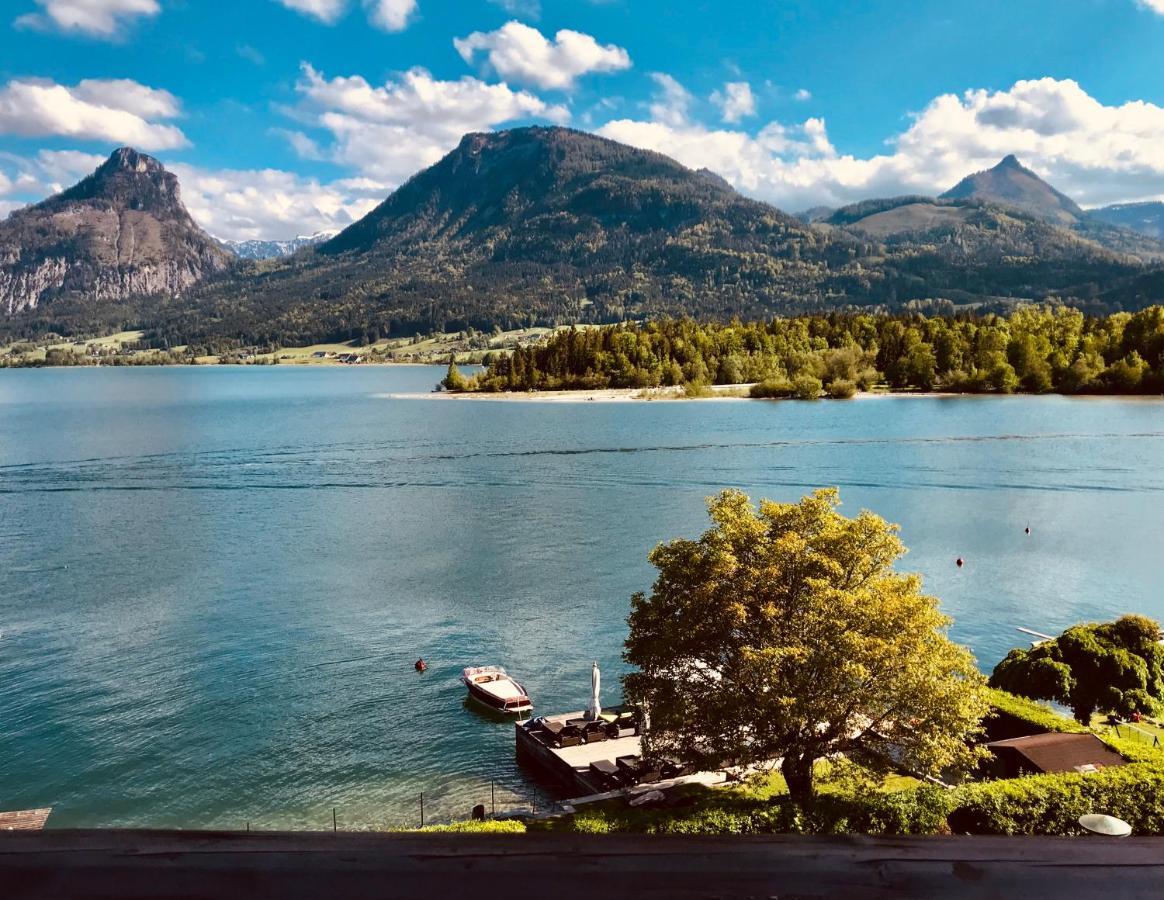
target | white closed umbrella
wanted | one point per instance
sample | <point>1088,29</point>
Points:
<point>1105,825</point>
<point>594,710</point>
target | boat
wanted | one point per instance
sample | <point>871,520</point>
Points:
<point>491,686</point>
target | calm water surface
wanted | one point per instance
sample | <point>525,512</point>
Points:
<point>214,582</point>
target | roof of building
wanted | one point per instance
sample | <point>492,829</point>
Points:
<point>1055,752</point>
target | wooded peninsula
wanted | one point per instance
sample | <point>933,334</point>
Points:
<point>1032,350</point>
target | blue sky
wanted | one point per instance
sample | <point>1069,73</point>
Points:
<point>289,116</point>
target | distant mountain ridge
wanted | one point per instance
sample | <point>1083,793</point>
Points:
<point>986,211</point>
<point>273,249</point>
<point>121,232</point>
<point>550,225</point>
<point>1145,218</point>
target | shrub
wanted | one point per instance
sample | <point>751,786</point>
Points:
<point>1052,804</point>
<point>1038,715</point>
<point>694,389</point>
<point>919,810</point>
<point>842,389</point>
<point>771,389</point>
<point>806,387</point>
<point>489,826</point>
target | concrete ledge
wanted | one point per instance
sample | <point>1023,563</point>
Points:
<point>191,864</point>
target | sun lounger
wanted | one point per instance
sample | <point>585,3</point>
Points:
<point>638,770</point>
<point>606,773</point>
<point>562,734</point>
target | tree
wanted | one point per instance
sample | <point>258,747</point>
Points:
<point>785,634</point>
<point>453,380</point>
<point>1110,667</point>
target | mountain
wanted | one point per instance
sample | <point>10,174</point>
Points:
<point>535,224</point>
<point>815,214</point>
<point>1008,209</point>
<point>122,232</point>
<point>260,249</point>
<point>545,226</point>
<point>1010,183</point>
<point>1144,218</point>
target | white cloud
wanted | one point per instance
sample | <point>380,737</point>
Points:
<point>390,15</point>
<point>327,11</point>
<point>123,94</point>
<point>96,18</point>
<point>736,101</point>
<point>27,180</point>
<point>118,111</point>
<point>1156,6</point>
<point>232,204</point>
<point>523,54</point>
<point>805,94</point>
<point>390,131</point>
<point>671,101</point>
<point>1095,153</point>
<point>236,204</point>
<point>531,9</point>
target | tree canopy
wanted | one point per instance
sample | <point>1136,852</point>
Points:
<point>1035,349</point>
<point>1108,667</point>
<point>786,634</point>
<point>453,380</point>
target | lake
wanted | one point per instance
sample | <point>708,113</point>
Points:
<point>214,581</point>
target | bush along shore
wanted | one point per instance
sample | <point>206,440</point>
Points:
<point>1033,350</point>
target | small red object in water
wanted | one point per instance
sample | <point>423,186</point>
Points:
<point>960,561</point>
<point>421,665</point>
<point>1027,529</point>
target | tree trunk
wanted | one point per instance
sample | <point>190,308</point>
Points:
<point>797,772</point>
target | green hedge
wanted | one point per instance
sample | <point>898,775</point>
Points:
<point>489,826</point>
<point>1032,711</point>
<point>1052,804</point>
<point>920,810</point>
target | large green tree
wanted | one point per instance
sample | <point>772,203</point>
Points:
<point>1109,667</point>
<point>785,634</point>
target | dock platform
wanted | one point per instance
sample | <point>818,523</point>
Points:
<point>24,819</point>
<point>569,767</point>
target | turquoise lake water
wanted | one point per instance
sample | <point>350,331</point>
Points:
<point>214,581</point>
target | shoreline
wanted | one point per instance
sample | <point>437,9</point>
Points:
<point>726,393</point>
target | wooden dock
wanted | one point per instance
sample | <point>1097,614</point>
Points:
<point>24,819</point>
<point>569,767</point>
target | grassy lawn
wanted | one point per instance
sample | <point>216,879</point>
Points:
<point>434,349</point>
<point>1142,732</point>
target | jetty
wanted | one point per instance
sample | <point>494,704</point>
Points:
<point>594,760</point>
<point>24,819</point>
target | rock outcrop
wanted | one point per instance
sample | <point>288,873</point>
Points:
<point>122,232</point>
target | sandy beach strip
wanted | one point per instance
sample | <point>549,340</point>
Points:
<point>605,395</point>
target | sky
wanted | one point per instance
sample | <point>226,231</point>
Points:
<point>286,117</point>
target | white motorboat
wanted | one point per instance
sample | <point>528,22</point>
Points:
<point>492,687</point>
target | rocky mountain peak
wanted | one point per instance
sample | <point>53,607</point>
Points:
<point>129,180</point>
<point>1012,184</point>
<point>121,232</point>
<point>126,159</point>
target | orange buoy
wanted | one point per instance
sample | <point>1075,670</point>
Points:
<point>421,665</point>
